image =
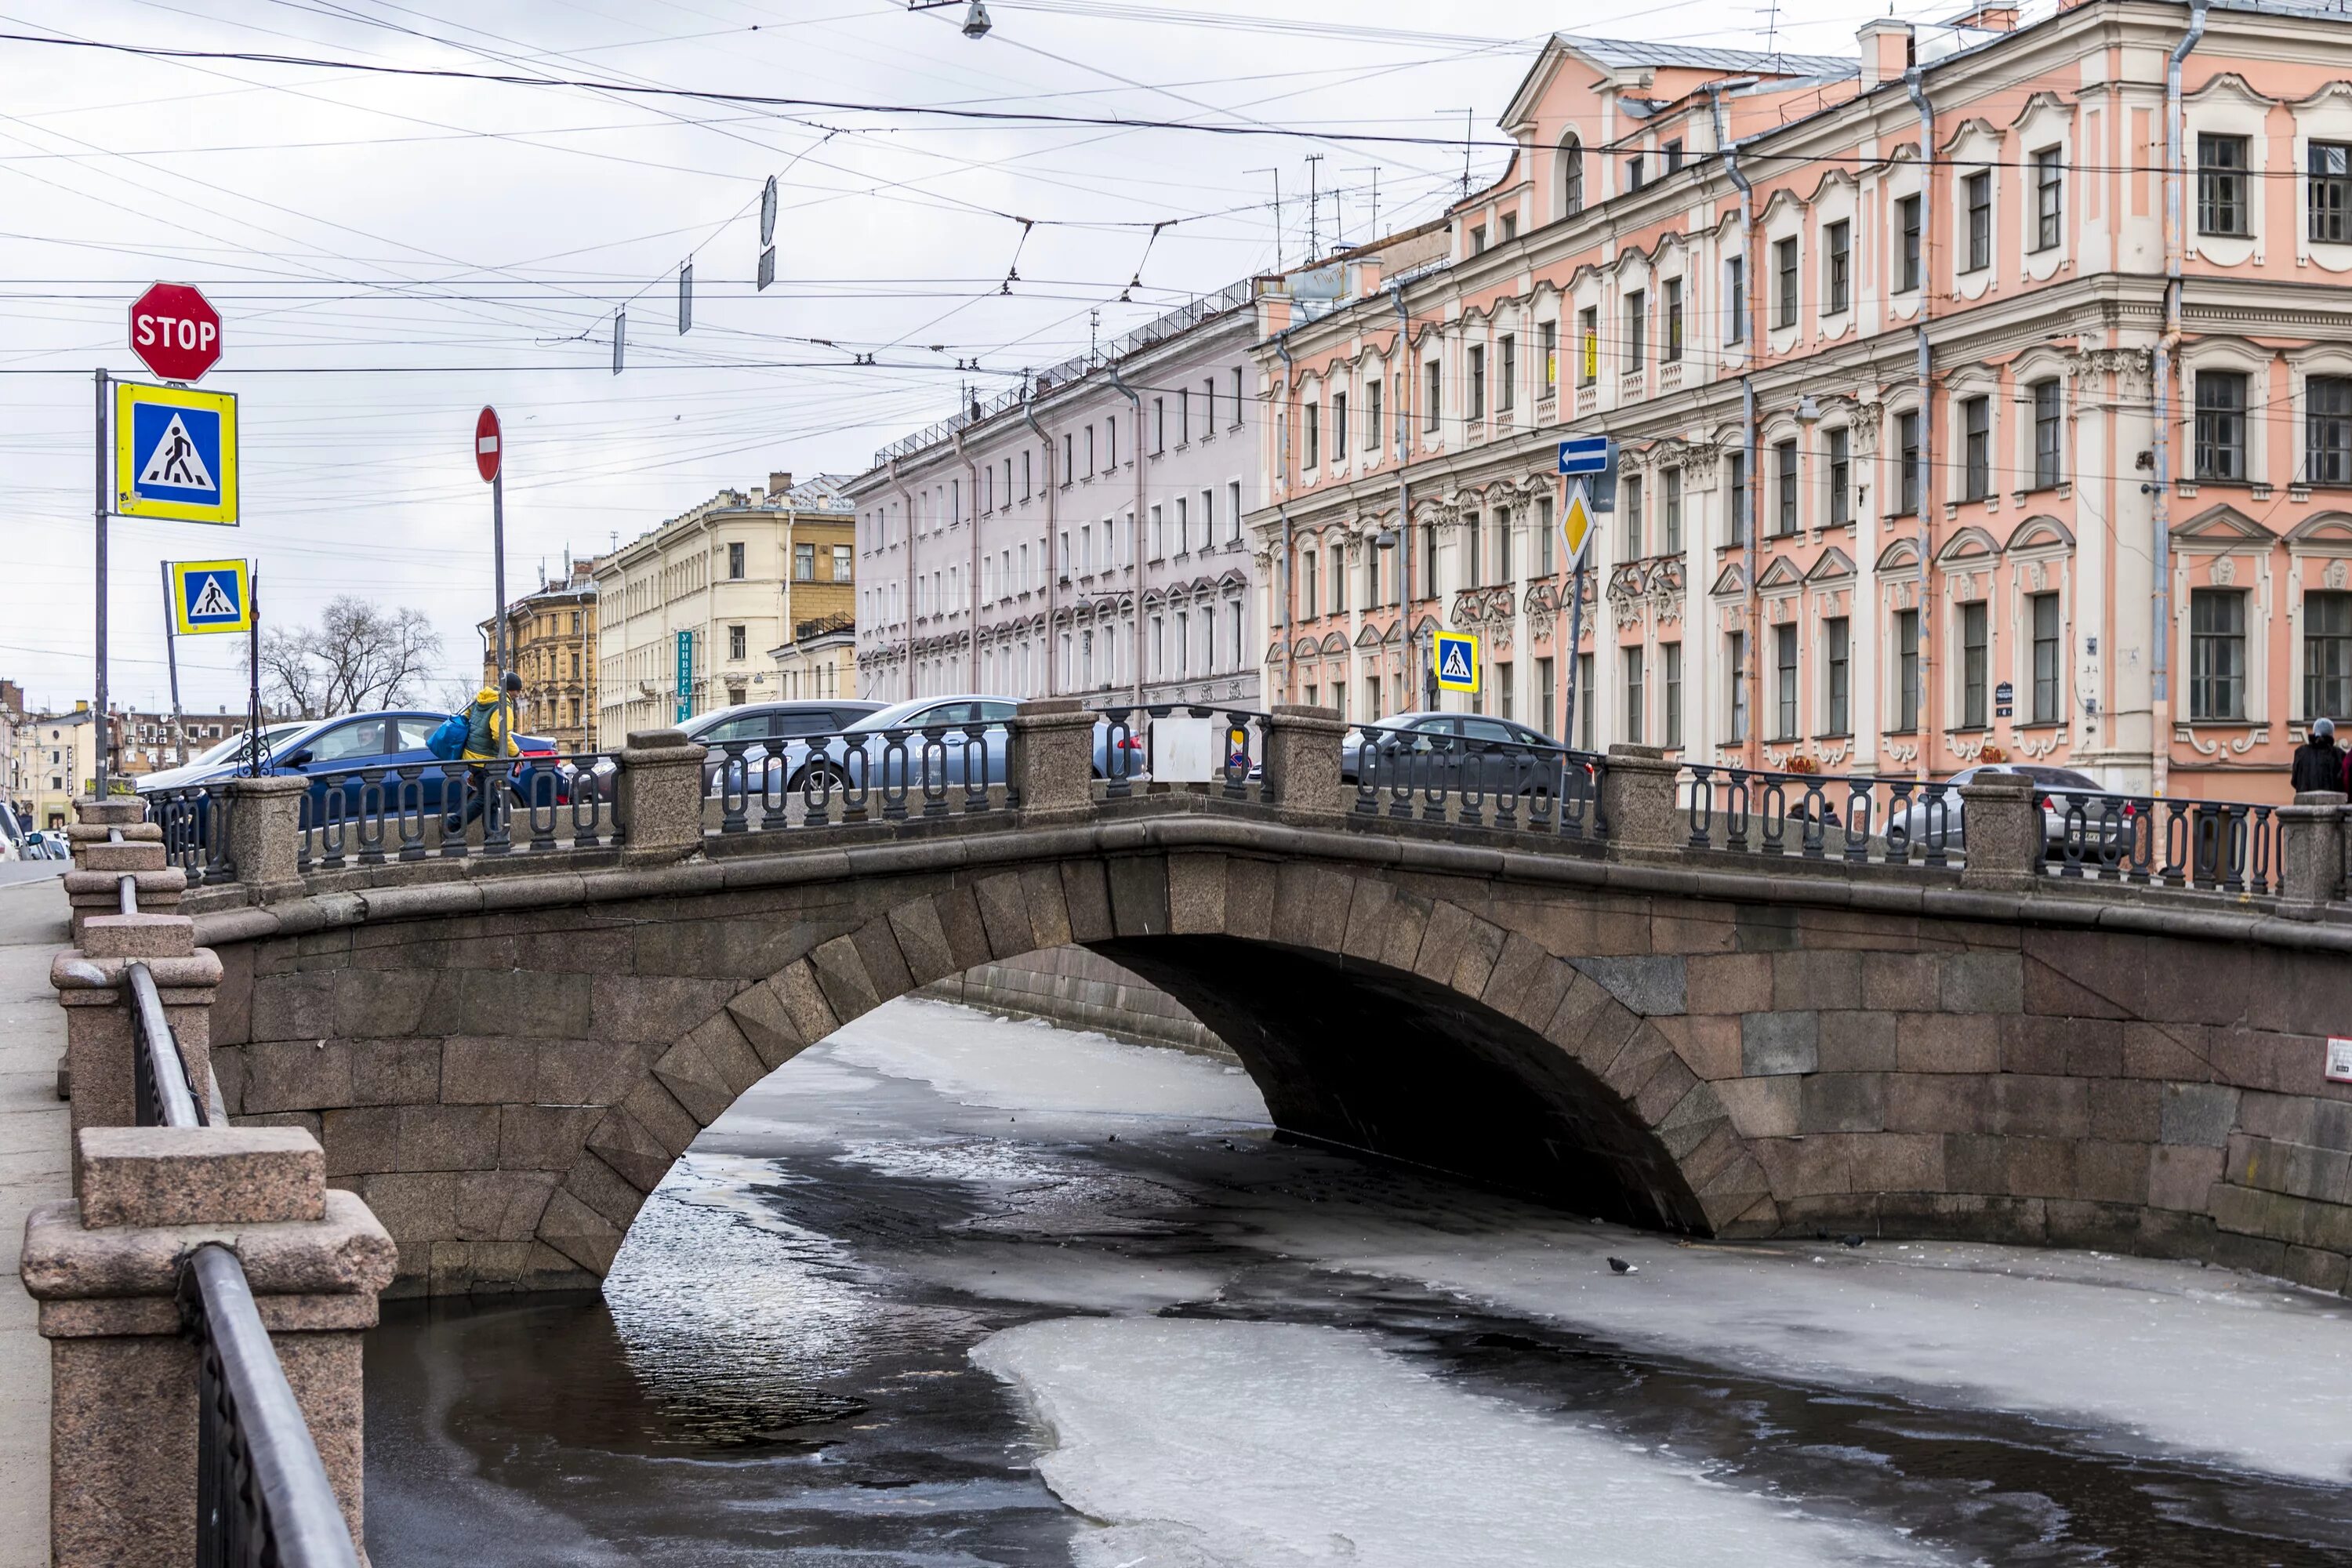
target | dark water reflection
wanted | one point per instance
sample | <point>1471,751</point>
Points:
<point>779,1364</point>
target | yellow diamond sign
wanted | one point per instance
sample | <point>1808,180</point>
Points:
<point>1576,526</point>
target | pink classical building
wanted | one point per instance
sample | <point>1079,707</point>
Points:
<point>1983,397</point>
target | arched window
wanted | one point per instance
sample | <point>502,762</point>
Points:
<point>1571,175</point>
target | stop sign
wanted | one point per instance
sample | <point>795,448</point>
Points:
<point>175,330</point>
<point>486,444</point>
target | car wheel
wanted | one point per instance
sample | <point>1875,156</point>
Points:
<point>821,778</point>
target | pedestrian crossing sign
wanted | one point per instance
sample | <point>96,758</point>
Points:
<point>211,596</point>
<point>1457,658</point>
<point>175,453</point>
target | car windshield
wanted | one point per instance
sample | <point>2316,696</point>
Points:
<point>2061,778</point>
<point>235,746</point>
<point>936,711</point>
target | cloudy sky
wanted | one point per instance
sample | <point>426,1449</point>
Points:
<point>390,251</point>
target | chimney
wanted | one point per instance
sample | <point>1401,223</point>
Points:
<point>779,483</point>
<point>1886,50</point>
<point>1990,16</point>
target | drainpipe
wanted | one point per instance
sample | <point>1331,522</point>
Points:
<point>1135,559</point>
<point>1282,509</point>
<point>1913,84</point>
<point>2168,344</point>
<point>1029,413</point>
<point>906,501</point>
<point>972,615</point>
<point>1405,379</point>
<point>1753,333</point>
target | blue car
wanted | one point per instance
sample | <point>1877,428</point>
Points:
<point>341,756</point>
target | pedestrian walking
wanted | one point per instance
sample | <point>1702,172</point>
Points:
<point>486,741</point>
<point>2318,764</point>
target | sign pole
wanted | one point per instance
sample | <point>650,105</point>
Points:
<point>253,654</point>
<point>1575,649</point>
<point>499,570</point>
<point>172,657</point>
<point>104,732</point>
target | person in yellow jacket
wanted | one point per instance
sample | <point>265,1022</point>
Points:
<point>486,728</point>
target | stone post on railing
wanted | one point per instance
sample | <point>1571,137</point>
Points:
<point>657,796</point>
<point>265,836</point>
<point>2002,833</point>
<point>1302,761</point>
<point>1637,801</point>
<point>107,1269</point>
<point>1051,764</point>
<point>2311,853</point>
<point>94,887</point>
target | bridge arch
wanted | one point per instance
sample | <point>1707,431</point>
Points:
<point>1371,1015</point>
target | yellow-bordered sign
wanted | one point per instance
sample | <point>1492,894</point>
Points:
<point>175,453</point>
<point>211,596</point>
<point>1454,656</point>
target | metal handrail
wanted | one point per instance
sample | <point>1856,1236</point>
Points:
<point>262,1492</point>
<point>164,1096</point>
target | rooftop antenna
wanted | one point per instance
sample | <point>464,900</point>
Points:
<point>1772,9</point>
<point>1094,326</point>
<point>1374,170</point>
<point>1466,114</point>
<point>1277,212</point>
<point>1313,205</point>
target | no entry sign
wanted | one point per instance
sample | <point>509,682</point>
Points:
<point>486,444</point>
<point>175,331</point>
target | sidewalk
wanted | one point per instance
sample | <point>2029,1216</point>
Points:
<point>33,1169</point>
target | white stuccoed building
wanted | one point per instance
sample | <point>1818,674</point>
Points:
<point>1079,536</point>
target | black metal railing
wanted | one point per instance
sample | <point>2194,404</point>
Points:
<point>161,1094</point>
<point>1181,744</point>
<point>416,811</point>
<point>1418,775</point>
<point>1855,819</point>
<point>263,1499</point>
<point>195,820</point>
<point>859,775</point>
<point>2213,846</point>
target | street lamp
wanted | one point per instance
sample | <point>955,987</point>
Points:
<point>976,17</point>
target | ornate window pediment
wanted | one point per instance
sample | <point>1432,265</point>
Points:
<point>2222,524</point>
<point>1902,555</point>
<point>1834,563</point>
<point>1781,574</point>
<point>1731,582</point>
<point>1335,642</point>
<point>2329,528</point>
<point>2040,534</point>
<point>1971,544</point>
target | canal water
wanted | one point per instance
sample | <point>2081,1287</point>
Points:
<point>950,1289</point>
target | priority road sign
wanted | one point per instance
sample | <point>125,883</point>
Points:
<point>1576,526</point>
<point>211,596</point>
<point>1585,455</point>
<point>1455,658</point>
<point>175,331</point>
<point>175,453</point>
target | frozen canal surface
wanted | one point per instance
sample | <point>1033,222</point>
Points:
<point>954,1290</point>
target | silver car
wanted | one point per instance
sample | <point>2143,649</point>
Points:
<point>2057,788</point>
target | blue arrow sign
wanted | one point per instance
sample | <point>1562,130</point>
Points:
<point>1587,455</point>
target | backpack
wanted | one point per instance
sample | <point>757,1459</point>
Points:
<point>448,740</point>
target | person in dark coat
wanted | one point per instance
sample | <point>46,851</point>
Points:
<point>2319,765</point>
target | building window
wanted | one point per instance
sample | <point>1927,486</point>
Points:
<point>2329,199</point>
<point>1907,670</point>
<point>1233,512</point>
<point>2217,654</point>
<point>1976,447</point>
<point>735,641</point>
<point>735,560</point>
<point>1736,499</point>
<point>1784,510</point>
<point>1474,533</point>
<point>1673,151</point>
<point>1588,332</point>
<point>2327,430</point>
<point>1307,586</point>
<point>1506,369</point>
<point>2220,425</point>
<point>1338,426</point>
<point>1159,426</point>
<point>1433,380</point>
<point>1311,428</point>
<point>1670,657</point>
<point>1670,495</point>
<point>1474,392</point>
<point>1547,342</point>
<point>2222,185</point>
<point>2045,709</point>
<point>1635,706</point>
<point>1735,300</point>
<point>1839,276</point>
<point>1841,495</point>
<point>1572,176</point>
<point>1784,682</point>
<point>2046,471</point>
<point>1736,662</point>
<point>1978,190</point>
<point>843,571</point>
<point>1584,708</point>
<point>1637,347</point>
<point>1477,240</point>
<point>1907,215</point>
<point>2048,193</point>
<point>1784,283</point>
<point>1372,413</point>
<point>803,562</point>
<point>1637,519</point>
<point>1671,348</point>
<point>1906,464</point>
<point>2326,654</point>
<point>1237,397</point>
<point>1838,644</point>
<point>1634,172</point>
<point>1974,657</point>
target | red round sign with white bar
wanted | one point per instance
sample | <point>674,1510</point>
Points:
<point>486,444</point>
<point>175,331</point>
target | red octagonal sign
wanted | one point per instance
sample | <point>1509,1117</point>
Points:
<point>175,330</point>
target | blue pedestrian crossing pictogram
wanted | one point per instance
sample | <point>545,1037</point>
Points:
<point>175,454</point>
<point>1455,656</point>
<point>211,596</point>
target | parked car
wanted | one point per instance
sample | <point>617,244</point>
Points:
<point>12,834</point>
<point>2057,788</point>
<point>954,728</point>
<point>329,750</point>
<point>235,749</point>
<point>1448,752</point>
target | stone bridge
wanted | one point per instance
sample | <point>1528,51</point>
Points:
<point>504,1055</point>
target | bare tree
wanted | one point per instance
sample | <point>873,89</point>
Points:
<point>357,658</point>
